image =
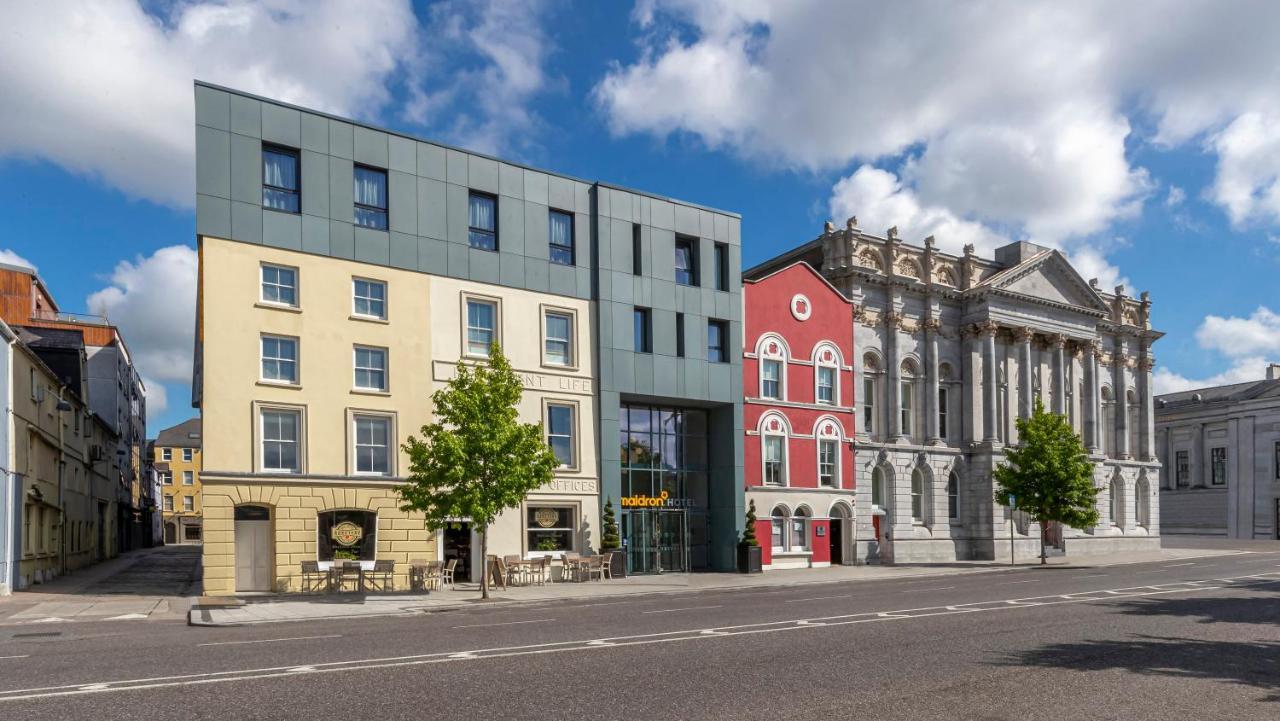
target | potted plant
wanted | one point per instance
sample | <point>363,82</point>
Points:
<point>750,555</point>
<point>548,544</point>
<point>611,543</point>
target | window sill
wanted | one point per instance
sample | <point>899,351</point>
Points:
<point>559,367</point>
<point>285,386</point>
<point>369,319</point>
<point>370,392</point>
<point>284,212</point>
<point>277,306</point>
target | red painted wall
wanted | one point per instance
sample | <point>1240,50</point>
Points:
<point>764,534</point>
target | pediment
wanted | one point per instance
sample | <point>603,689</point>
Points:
<point>1048,277</point>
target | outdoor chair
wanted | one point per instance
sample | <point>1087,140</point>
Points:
<point>349,571</point>
<point>572,565</point>
<point>418,574</point>
<point>313,579</point>
<point>382,577</point>
<point>595,567</point>
<point>515,570</point>
<point>544,570</point>
<point>446,575</point>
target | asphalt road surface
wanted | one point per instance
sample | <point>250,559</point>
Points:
<point>1176,639</point>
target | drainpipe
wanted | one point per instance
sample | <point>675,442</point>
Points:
<point>62,407</point>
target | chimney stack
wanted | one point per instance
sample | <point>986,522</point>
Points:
<point>1273,371</point>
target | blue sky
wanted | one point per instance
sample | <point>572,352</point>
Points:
<point>1146,149</point>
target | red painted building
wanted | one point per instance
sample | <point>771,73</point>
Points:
<point>799,419</point>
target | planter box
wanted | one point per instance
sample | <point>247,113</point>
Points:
<point>750,559</point>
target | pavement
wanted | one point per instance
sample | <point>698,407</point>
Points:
<point>1184,636</point>
<point>250,610</point>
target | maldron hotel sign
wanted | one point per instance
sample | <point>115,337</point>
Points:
<point>663,500</point>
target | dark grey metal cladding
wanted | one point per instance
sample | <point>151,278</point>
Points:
<point>427,189</point>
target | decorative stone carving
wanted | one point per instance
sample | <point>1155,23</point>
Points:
<point>851,223</point>
<point>892,233</point>
<point>945,276</point>
<point>932,325</point>
<point>869,258</point>
<point>1146,363</point>
<point>986,328</point>
<point>1057,340</point>
<point>1023,334</point>
<point>908,267</point>
<point>828,227</point>
<point>893,319</point>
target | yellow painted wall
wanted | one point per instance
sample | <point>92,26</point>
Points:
<point>177,490</point>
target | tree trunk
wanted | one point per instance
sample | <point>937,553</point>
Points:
<point>1044,525</point>
<point>484,555</point>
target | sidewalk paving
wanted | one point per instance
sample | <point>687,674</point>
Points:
<point>250,610</point>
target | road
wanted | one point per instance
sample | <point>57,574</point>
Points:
<point>1144,641</point>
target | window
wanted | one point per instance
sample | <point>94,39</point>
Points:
<point>771,379</point>
<point>371,197</point>
<point>917,496</point>
<point>188,503</point>
<point>188,454</point>
<point>637,265</point>
<point>1142,503</point>
<point>827,385</point>
<point>775,461</point>
<point>1218,459</point>
<point>717,339</point>
<point>279,359</point>
<point>188,478</point>
<point>166,478</point>
<point>720,262</point>
<point>560,238</point>
<point>280,179</point>
<point>280,439</point>
<point>1116,499</point>
<point>827,463</point>
<point>560,432</point>
<point>1182,468</point>
<point>799,540</point>
<point>906,408</point>
<point>942,412</point>
<point>643,331</point>
<point>558,329</point>
<point>191,533</point>
<point>482,217</point>
<point>168,503</point>
<point>369,298</point>
<point>372,445</point>
<point>686,260</point>
<point>868,405</point>
<point>679,335</point>
<point>778,521</point>
<point>1277,459</point>
<point>370,368</point>
<point>482,316</point>
<point>360,544</point>
<point>549,528</point>
<point>167,454</point>
<point>953,496</point>
<point>789,532</point>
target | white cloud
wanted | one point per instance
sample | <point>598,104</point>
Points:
<point>157,397</point>
<point>103,89</point>
<point>153,301</point>
<point>1242,371</point>
<point>11,258</point>
<point>1247,342</point>
<point>1175,197</point>
<point>1247,184</point>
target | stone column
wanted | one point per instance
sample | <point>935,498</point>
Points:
<point>990,394</point>
<point>1060,374</point>
<point>1090,403</point>
<point>931,328</point>
<point>1025,376</point>
<point>1199,464</point>
<point>1118,365</point>
<point>893,376</point>
<point>1146,407</point>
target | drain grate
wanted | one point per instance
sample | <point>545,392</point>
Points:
<point>42,634</point>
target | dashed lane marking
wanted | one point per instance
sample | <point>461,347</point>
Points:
<point>506,623</point>
<point>690,608</point>
<point>269,640</point>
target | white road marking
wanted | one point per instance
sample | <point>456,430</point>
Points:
<point>505,623</point>
<point>690,608</point>
<point>25,655</point>
<point>1010,583</point>
<point>268,640</point>
<point>815,598</point>
<point>127,617</point>
<point>1175,565</point>
<point>1096,575</point>
<point>251,674</point>
<point>932,588</point>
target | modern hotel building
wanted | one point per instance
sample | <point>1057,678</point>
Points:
<point>346,270</point>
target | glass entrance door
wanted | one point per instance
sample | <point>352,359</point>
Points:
<point>657,541</point>
<point>672,546</point>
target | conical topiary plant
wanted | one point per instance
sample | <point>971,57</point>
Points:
<point>749,533</point>
<point>609,540</point>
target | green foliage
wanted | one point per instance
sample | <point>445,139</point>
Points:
<point>609,537</point>
<point>749,532</point>
<point>548,544</point>
<point>477,459</point>
<point>1049,473</point>
<point>344,554</point>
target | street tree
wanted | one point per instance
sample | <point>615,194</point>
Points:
<point>1048,474</point>
<point>477,458</point>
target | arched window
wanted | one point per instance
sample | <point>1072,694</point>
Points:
<point>826,374</point>
<point>773,442</point>
<point>1142,502</point>
<point>1131,413</point>
<point>778,523</point>
<point>870,393</point>
<point>953,496</point>
<point>879,493</point>
<point>773,367</point>
<point>799,538</point>
<point>1117,503</point>
<point>908,397</point>
<point>917,496</point>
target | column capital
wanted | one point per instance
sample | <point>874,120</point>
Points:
<point>1058,340</point>
<point>931,325</point>
<point>893,319</point>
<point>986,329</point>
<point>1024,334</point>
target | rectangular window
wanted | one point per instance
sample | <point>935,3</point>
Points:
<point>372,445</point>
<point>643,331</point>
<point>167,454</point>
<point>188,478</point>
<point>1218,459</point>
<point>188,454</point>
<point>280,438</point>
<point>1182,469</point>
<point>482,318</point>
<point>549,529</point>
<point>279,285</point>
<point>482,219</point>
<point>827,463</point>
<point>280,179</point>
<point>799,533</point>
<point>558,329</point>
<point>826,385</point>
<point>906,409</point>
<point>721,269</point>
<point>777,529</point>
<point>679,335</point>
<point>188,503</point>
<point>771,379</point>
<point>942,412</point>
<point>717,341</point>
<point>166,478</point>
<point>560,423</point>
<point>637,264</point>
<point>369,298</point>
<point>560,238</point>
<point>686,260</point>
<point>168,503</point>
<point>370,368</point>
<point>370,197</point>
<point>868,406</point>
<point>774,461</point>
<point>279,359</point>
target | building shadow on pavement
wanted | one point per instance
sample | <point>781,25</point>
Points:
<point>1254,664</point>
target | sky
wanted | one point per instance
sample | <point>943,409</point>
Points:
<point>1140,138</point>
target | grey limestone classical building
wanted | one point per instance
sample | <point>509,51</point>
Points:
<point>1221,447</point>
<point>949,350</point>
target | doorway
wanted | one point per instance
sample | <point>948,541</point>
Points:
<point>457,544</point>
<point>102,531</point>
<point>254,552</point>
<point>170,534</point>
<point>656,541</point>
<point>836,536</point>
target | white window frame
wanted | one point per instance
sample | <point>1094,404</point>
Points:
<point>354,416</point>
<point>166,478</point>
<point>919,497</point>
<point>575,516</point>
<point>297,360</point>
<point>835,462</point>
<point>188,503</point>
<point>188,478</point>
<point>168,506</point>
<point>833,365</point>
<point>781,365</point>
<point>783,438</point>
<point>260,410</point>
<point>356,298</point>
<point>356,368</point>
<point>906,399</point>
<point>571,360</point>
<point>496,331</point>
<point>779,528</point>
<point>188,454</point>
<point>262,286</point>
<point>166,454</point>
<point>547,404</point>
<point>869,389</point>
<point>801,519</point>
